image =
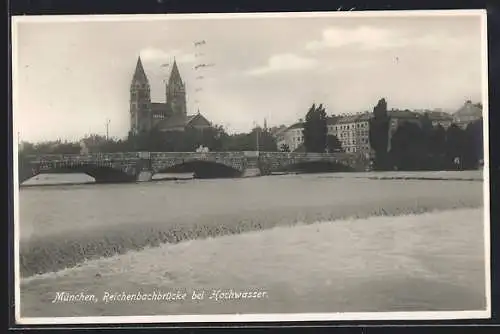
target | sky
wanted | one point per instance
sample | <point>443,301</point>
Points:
<point>70,77</point>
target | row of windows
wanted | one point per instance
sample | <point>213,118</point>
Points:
<point>348,126</point>
<point>352,143</point>
<point>357,149</point>
<point>350,134</point>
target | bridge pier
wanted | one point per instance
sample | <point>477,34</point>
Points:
<point>251,172</point>
<point>144,167</point>
<point>251,164</point>
<point>144,176</point>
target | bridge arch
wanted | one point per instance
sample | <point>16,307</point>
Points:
<point>200,168</point>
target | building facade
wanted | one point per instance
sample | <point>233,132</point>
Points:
<point>352,131</point>
<point>170,115</point>
<point>291,137</point>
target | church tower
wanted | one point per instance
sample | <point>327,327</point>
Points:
<point>176,92</point>
<point>140,101</point>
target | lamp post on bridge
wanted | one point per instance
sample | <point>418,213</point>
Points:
<point>257,136</point>
<point>258,132</point>
<point>107,128</point>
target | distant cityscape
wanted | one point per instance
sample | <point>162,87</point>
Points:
<point>353,130</point>
<point>170,118</point>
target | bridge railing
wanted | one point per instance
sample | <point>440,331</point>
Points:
<point>84,157</point>
<point>308,155</point>
<point>191,155</point>
<point>194,155</point>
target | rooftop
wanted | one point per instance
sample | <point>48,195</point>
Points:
<point>296,126</point>
<point>402,113</point>
<point>469,109</point>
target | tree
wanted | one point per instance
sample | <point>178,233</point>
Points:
<point>437,147</point>
<point>284,148</point>
<point>249,141</point>
<point>426,141</point>
<point>379,135</point>
<point>267,142</point>
<point>333,144</point>
<point>474,149</point>
<point>408,150</point>
<point>455,147</point>
<point>315,129</point>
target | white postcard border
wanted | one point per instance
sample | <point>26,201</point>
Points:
<point>237,318</point>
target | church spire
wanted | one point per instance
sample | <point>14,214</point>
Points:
<point>139,74</point>
<point>175,76</point>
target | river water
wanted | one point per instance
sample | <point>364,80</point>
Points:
<point>57,209</point>
<point>63,226</point>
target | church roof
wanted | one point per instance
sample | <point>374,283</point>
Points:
<point>139,74</point>
<point>190,118</point>
<point>178,120</point>
<point>194,117</point>
<point>175,76</point>
<point>174,121</point>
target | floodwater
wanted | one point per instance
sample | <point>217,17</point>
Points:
<point>69,235</point>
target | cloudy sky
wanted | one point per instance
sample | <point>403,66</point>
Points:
<point>69,77</point>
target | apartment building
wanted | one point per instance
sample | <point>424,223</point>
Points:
<point>352,131</point>
<point>292,137</point>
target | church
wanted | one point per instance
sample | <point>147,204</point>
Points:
<point>171,115</point>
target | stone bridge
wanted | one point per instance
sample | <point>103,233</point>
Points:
<point>141,166</point>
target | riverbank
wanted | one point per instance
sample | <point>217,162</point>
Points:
<point>427,262</point>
